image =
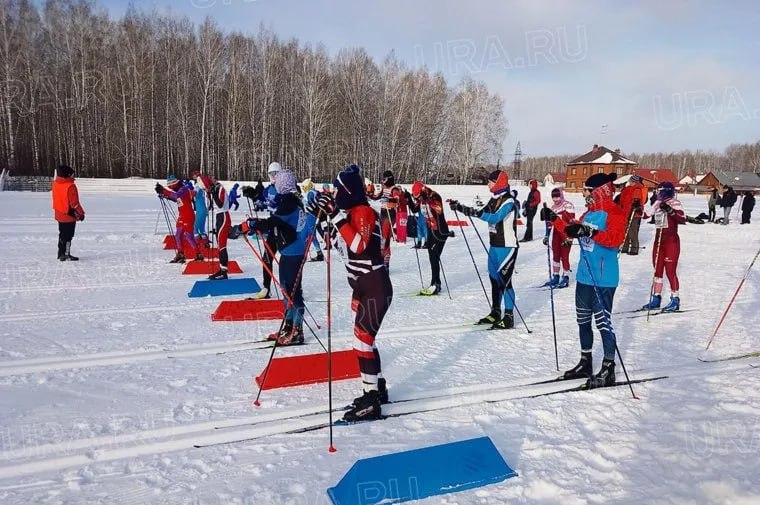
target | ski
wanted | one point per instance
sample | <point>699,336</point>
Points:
<point>642,313</point>
<point>584,386</point>
<point>731,358</point>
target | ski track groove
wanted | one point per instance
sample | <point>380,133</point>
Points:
<point>287,421</point>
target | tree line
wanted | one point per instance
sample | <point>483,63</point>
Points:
<point>151,94</point>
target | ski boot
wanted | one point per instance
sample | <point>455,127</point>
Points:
<point>583,370</point>
<point>199,257</point>
<point>318,257</point>
<point>292,337</point>
<point>221,275</point>
<point>492,318</point>
<point>673,306</point>
<point>506,323</point>
<point>433,290</point>
<point>366,408</point>
<point>382,391</point>
<point>264,293</point>
<point>565,282</point>
<point>654,304</point>
<point>282,332</point>
<point>605,377</point>
<point>553,283</point>
<point>179,258</point>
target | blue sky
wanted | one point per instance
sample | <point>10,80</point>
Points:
<point>662,75</point>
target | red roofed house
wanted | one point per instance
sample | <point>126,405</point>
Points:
<point>654,176</point>
<point>599,160</point>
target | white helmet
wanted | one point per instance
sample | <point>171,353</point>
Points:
<point>274,167</point>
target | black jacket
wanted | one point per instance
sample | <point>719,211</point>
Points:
<point>748,203</point>
<point>729,198</point>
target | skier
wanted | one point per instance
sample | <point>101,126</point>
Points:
<point>389,199</point>
<point>268,200</point>
<point>290,228</point>
<point>600,231</point>
<point>501,215</point>
<point>631,199</point>
<point>178,192</point>
<point>309,198</point>
<point>431,205</point>
<point>218,197</point>
<point>359,227</point>
<point>66,209</point>
<point>668,214</point>
<point>201,211</point>
<point>234,196</point>
<point>530,209</point>
<point>748,203</point>
<point>402,214</point>
<point>560,244</point>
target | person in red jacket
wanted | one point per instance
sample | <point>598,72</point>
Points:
<point>668,214</point>
<point>178,192</point>
<point>67,210</point>
<point>631,201</point>
<point>217,196</point>
<point>564,210</point>
<point>530,209</point>
<point>430,203</point>
<point>358,226</point>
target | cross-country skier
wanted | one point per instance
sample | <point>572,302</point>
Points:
<point>201,211</point>
<point>309,198</point>
<point>668,214</point>
<point>632,200</point>
<point>234,196</point>
<point>290,228</point>
<point>560,244</point>
<point>359,227</point>
<point>178,192</point>
<point>501,215</point>
<point>218,198</point>
<point>600,231</point>
<point>530,209</point>
<point>268,200</point>
<point>389,200</point>
<point>67,210</point>
<point>431,205</point>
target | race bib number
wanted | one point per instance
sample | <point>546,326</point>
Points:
<point>661,220</point>
<point>587,243</point>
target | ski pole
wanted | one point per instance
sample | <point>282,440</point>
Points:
<point>467,243</point>
<point>627,230</point>
<point>329,334</point>
<point>657,242</point>
<point>551,289</point>
<point>419,267</point>
<point>606,317</point>
<point>168,223</point>
<point>282,323</point>
<point>440,264</point>
<point>738,288</point>
<point>506,289</point>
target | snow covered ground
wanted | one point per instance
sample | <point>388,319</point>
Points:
<point>109,375</point>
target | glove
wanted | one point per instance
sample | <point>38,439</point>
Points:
<point>567,242</point>
<point>234,232</point>
<point>251,193</point>
<point>525,212</point>
<point>667,208</point>
<point>549,215</point>
<point>545,241</point>
<point>80,217</point>
<point>311,207</point>
<point>636,204</point>
<point>577,230</point>
<point>467,211</point>
<point>159,189</point>
<point>326,204</point>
